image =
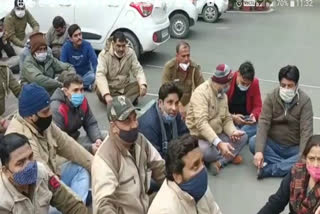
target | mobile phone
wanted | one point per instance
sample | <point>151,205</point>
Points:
<point>247,118</point>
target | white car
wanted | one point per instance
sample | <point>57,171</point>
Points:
<point>145,24</point>
<point>211,10</point>
<point>182,14</point>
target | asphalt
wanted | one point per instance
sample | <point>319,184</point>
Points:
<point>270,41</point>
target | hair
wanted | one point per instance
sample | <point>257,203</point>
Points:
<point>119,36</point>
<point>72,78</point>
<point>58,21</point>
<point>73,28</point>
<point>246,70</point>
<point>177,149</point>
<point>182,44</point>
<point>312,142</point>
<point>9,143</point>
<point>289,72</point>
<point>169,88</point>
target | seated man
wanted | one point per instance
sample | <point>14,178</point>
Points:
<point>57,35</point>
<point>245,99</point>
<point>209,119</point>
<point>15,24</point>
<point>7,83</point>
<point>285,126</point>
<point>162,122</point>
<point>116,63</point>
<point>26,186</point>
<point>48,141</point>
<point>7,53</point>
<point>42,68</point>
<point>71,111</point>
<point>81,55</point>
<point>123,165</point>
<point>186,188</point>
<point>185,72</point>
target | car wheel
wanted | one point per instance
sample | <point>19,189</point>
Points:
<point>133,43</point>
<point>179,26</point>
<point>210,14</point>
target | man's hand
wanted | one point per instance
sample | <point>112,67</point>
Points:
<point>108,99</point>
<point>236,135</point>
<point>238,119</point>
<point>143,90</point>
<point>182,111</point>
<point>252,120</point>
<point>226,150</point>
<point>317,211</point>
<point>258,160</point>
<point>98,142</point>
<point>95,146</point>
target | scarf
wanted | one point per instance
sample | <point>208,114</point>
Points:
<point>303,202</point>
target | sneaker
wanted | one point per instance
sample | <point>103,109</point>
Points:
<point>214,168</point>
<point>237,160</point>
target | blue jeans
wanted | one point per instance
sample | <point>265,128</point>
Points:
<point>88,79</point>
<point>77,178</point>
<point>249,130</point>
<point>279,158</point>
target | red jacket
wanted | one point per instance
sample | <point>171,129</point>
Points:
<point>254,103</point>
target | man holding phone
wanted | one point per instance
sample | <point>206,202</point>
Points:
<point>244,99</point>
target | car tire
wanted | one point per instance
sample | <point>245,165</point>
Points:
<point>210,13</point>
<point>133,43</point>
<point>179,26</point>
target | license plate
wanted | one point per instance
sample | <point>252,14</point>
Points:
<point>164,33</point>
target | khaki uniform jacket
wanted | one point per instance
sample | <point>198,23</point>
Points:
<point>16,27</point>
<point>53,142</point>
<point>120,180</point>
<point>44,74</point>
<point>7,83</point>
<point>208,115</point>
<point>44,195</point>
<point>188,80</point>
<point>172,200</point>
<point>113,75</point>
<point>287,126</point>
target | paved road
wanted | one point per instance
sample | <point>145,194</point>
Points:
<point>270,41</point>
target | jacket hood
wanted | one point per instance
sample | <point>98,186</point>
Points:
<point>59,96</point>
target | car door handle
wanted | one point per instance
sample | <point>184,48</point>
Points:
<point>113,5</point>
<point>65,5</point>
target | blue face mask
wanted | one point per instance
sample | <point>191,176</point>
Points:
<point>28,175</point>
<point>168,118</point>
<point>77,99</point>
<point>196,186</point>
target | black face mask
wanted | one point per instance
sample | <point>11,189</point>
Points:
<point>43,123</point>
<point>129,136</point>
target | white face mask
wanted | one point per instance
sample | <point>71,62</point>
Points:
<point>287,95</point>
<point>243,88</point>
<point>41,57</point>
<point>20,13</point>
<point>184,66</point>
<point>1,34</point>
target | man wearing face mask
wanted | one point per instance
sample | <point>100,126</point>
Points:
<point>209,119</point>
<point>34,120</point>
<point>116,64</point>
<point>15,24</point>
<point>123,165</point>
<point>185,72</point>
<point>162,122</point>
<point>285,125</point>
<point>71,111</point>
<point>57,35</point>
<point>42,68</point>
<point>244,99</point>
<point>185,190</point>
<point>25,184</point>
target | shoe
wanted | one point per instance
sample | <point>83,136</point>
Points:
<point>214,168</point>
<point>260,174</point>
<point>237,160</point>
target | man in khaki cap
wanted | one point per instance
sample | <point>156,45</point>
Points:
<point>41,67</point>
<point>124,163</point>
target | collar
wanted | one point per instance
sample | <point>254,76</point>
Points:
<point>182,195</point>
<point>111,51</point>
<point>118,142</point>
<point>30,126</point>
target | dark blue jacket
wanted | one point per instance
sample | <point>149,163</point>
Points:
<point>83,59</point>
<point>149,126</point>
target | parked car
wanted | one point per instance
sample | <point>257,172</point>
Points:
<point>182,14</point>
<point>211,10</point>
<point>145,24</point>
